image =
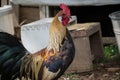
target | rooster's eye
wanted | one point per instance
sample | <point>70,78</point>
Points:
<point>63,14</point>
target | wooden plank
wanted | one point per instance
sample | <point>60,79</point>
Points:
<point>43,11</point>
<point>47,11</point>
<point>28,13</point>
<point>15,15</point>
<point>67,2</point>
<point>109,40</point>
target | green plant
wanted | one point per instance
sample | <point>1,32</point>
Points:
<point>68,75</point>
<point>110,51</point>
<point>75,78</point>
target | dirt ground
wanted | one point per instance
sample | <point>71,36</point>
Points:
<point>94,75</point>
<point>107,68</point>
<point>100,72</point>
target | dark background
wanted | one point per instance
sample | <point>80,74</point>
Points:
<point>94,14</point>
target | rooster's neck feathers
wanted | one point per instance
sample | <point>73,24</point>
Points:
<point>57,33</point>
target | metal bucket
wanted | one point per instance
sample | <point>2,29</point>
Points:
<point>115,18</point>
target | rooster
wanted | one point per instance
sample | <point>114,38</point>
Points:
<point>16,63</point>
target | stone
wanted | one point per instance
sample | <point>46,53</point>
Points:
<point>114,69</point>
<point>88,45</point>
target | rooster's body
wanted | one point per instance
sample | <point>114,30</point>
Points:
<point>47,64</point>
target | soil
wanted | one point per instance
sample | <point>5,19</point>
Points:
<point>101,71</point>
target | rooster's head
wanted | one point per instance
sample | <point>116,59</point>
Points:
<point>66,14</point>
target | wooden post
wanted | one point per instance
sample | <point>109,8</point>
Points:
<point>47,11</point>
<point>15,15</point>
<point>44,11</point>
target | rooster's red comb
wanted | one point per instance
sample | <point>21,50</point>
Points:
<point>65,8</point>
